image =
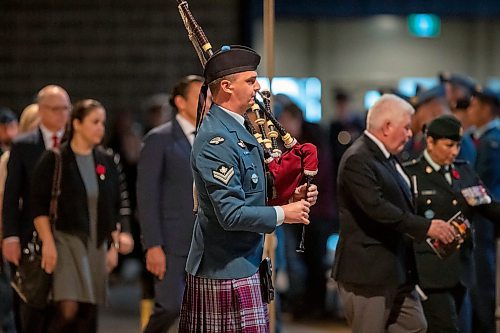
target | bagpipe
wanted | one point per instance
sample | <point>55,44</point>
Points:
<point>285,169</point>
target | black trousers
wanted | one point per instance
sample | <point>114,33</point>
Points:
<point>442,308</point>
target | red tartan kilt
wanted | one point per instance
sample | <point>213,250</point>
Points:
<point>223,306</point>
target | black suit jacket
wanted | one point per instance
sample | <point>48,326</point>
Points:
<point>438,199</point>
<point>25,152</point>
<point>165,189</point>
<point>73,212</point>
<point>376,221</point>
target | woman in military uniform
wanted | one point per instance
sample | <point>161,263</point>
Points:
<point>442,188</point>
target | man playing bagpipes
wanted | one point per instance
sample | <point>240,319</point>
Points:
<point>223,289</point>
<point>232,216</point>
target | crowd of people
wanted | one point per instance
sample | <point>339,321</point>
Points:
<point>388,181</point>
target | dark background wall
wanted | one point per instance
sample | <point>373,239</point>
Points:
<point>314,9</point>
<point>118,52</point>
<point>122,51</point>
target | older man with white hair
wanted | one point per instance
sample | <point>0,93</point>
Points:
<point>375,263</point>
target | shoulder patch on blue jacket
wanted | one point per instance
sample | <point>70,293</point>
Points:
<point>217,140</point>
<point>223,174</point>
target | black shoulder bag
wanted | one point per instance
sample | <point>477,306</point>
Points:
<point>30,281</point>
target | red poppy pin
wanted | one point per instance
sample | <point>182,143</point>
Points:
<point>455,174</point>
<point>101,171</point>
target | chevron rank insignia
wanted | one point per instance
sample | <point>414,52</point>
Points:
<point>217,140</point>
<point>223,173</point>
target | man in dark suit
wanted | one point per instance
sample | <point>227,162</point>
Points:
<point>483,113</point>
<point>54,107</point>
<point>374,262</point>
<point>165,202</point>
<point>446,186</point>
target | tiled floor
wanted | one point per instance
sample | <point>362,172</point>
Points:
<point>122,315</point>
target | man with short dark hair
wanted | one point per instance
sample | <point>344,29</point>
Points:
<point>165,202</point>
<point>223,292</point>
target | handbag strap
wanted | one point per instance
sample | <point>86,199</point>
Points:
<point>56,186</point>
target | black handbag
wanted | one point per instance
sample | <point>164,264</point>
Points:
<point>30,281</point>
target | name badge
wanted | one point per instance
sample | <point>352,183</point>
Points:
<point>428,192</point>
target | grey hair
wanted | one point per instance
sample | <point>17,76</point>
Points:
<point>389,107</point>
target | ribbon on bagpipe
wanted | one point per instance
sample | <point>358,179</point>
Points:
<point>287,169</point>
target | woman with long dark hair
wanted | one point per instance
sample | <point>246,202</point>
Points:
<point>79,248</point>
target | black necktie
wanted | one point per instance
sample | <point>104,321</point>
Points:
<point>403,184</point>
<point>443,171</point>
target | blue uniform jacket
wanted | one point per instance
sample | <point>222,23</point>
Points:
<point>228,172</point>
<point>488,158</point>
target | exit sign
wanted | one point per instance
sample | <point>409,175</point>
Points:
<point>424,25</point>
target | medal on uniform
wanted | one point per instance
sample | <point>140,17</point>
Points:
<point>255,178</point>
<point>429,214</point>
<point>476,195</point>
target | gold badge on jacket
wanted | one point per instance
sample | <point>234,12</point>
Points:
<point>217,140</point>
<point>223,174</point>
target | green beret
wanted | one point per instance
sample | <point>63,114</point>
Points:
<point>445,127</point>
<point>230,60</point>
